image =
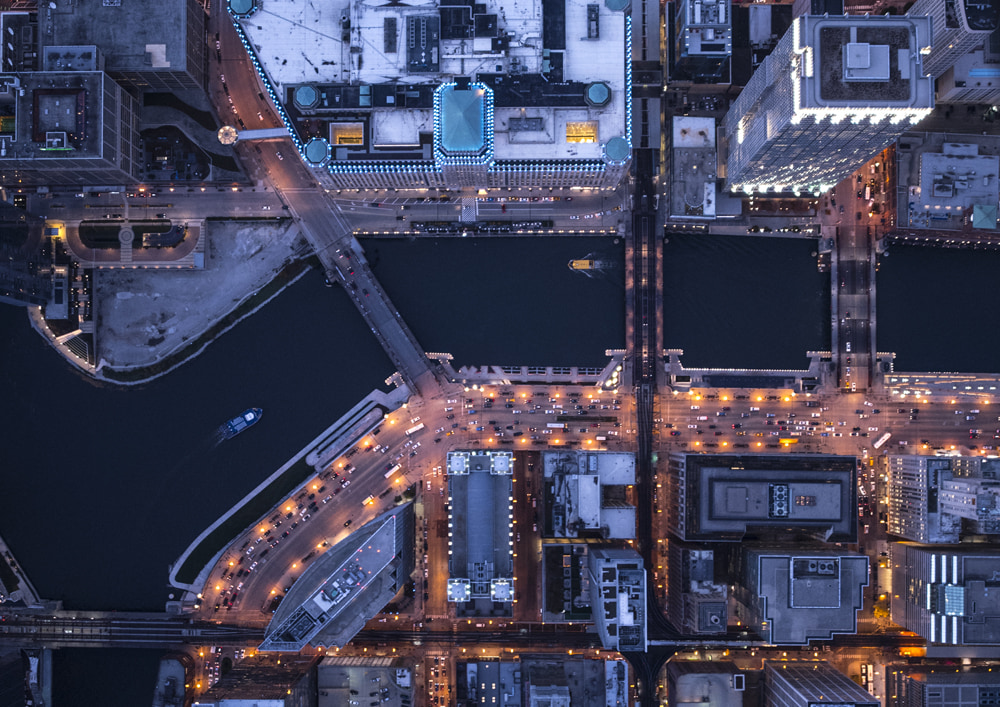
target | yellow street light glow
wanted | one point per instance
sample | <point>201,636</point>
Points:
<point>295,565</point>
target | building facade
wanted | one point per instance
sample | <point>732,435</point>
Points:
<point>959,27</point>
<point>443,95</point>
<point>942,592</point>
<point>937,499</point>
<point>834,91</point>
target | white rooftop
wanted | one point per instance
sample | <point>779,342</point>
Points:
<point>366,42</point>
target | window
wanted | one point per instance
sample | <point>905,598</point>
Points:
<point>583,131</point>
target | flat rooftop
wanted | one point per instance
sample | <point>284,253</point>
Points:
<point>331,593</point>
<point>56,104</point>
<point>557,67</point>
<point>727,495</point>
<point>132,36</point>
<point>480,521</point>
<point>584,493</point>
<point>808,597</point>
<point>945,180</point>
<point>864,62</point>
<point>694,162</point>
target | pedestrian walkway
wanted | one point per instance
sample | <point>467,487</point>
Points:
<point>470,209</point>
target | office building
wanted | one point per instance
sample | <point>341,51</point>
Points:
<point>940,499</point>
<point>973,78</point>
<point>959,27</point>
<point>163,48</point>
<point>618,598</point>
<point>451,95</point>
<point>724,497</point>
<point>67,128</point>
<point>811,684</point>
<point>713,683</point>
<point>701,40</point>
<point>481,532</point>
<point>697,596</point>
<point>793,596</point>
<point>949,185</point>
<point>586,494</point>
<point>255,681</point>
<point>947,593</point>
<point>346,586</point>
<point>922,686</point>
<point>834,92</point>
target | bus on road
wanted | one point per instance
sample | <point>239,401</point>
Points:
<point>882,440</point>
<point>393,469</point>
<point>413,430</point>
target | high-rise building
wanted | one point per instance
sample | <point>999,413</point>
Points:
<point>696,598</point>
<point>930,497</point>
<point>701,40</point>
<point>67,128</point>
<point>163,49</point>
<point>811,684</point>
<point>834,91</point>
<point>922,686</point>
<point>451,94</point>
<point>618,591</point>
<point>959,27</point>
<point>723,497</point>
<point>346,586</point>
<point>793,596</point>
<point>973,78</point>
<point>947,593</point>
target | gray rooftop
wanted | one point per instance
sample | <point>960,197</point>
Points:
<point>69,103</point>
<point>480,491</point>
<point>726,495</point>
<point>132,36</point>
<point>330,599</point>
<point>806,596</point>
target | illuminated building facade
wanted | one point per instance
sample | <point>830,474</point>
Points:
<point>834,91</point>
<point>449,95</point>
<point>943,592</point>
<point>959,27</point>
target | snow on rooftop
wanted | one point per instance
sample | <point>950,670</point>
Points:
<point>366,42</point>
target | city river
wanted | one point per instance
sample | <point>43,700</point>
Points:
<point>104,487</point>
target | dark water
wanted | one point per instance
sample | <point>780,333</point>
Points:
<point>85,678</point>
<point>505,301</point>
<point>936,309</point>
<point>105,487</point>
<point>743,302</point>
